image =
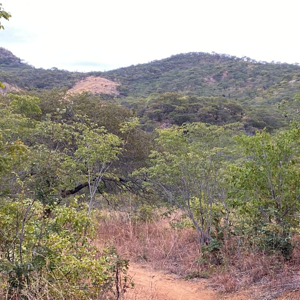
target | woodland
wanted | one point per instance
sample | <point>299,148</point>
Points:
<point>202,147</point>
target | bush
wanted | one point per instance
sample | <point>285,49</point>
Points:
<point>52,255</point>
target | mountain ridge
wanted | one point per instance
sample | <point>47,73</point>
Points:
<point>204,74</point>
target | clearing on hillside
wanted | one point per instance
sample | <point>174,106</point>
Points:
<point>8,88</point>
<point>96,85</point>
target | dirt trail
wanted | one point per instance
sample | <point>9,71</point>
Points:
<point>156,285</point>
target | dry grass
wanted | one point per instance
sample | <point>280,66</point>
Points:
<point>265,276</point>
<point>176,250</point>
<point>154,242</point>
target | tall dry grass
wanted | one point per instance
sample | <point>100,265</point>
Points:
<point>176,250</point>
<point>153,241</point>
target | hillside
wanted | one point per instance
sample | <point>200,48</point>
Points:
<point>17,73</point>
<point>211,88</point>
<point>95,85</point>
<point>206,75</point>
<point>185,166</point>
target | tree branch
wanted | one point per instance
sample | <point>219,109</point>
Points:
<point>132,185</point>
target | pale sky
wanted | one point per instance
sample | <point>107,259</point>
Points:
<point>99,35</point>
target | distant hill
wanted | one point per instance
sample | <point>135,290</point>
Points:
<point>206,75</point>
<point>212,88</point>
<point>8,58</point>
<point>242,79</point>
<point>17,73</point>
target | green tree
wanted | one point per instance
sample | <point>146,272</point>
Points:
<point>3,14</point>
<point>25,105</point>
<point>266,187</point>
<point>97,149</point>
<point>50,257</point>
<point>187,171</point>
<point>46,247</point>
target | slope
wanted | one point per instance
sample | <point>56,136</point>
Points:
<point>204,74</point>
<point>207,75</point>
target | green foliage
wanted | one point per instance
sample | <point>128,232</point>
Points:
<point>266,186</point>
<point>211,252</point>
<point>49,256</point>
<point>46,247</point>
<point>3,14</point>
<point>186,170</point>
<point>119,121</point>
<point>97,147</point>
<point>25,105</point>
<point>178,108</point>
<point>10,154</point>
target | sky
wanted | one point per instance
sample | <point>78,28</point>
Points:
<point>101,35</point>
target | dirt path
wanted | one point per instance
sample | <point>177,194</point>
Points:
<point>156,285</point>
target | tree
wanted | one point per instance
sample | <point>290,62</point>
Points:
<point>3,14</point>
<point>50,257</point>
<point>97,149</point>
<point>187,171</point>
<point>266,187</point>
<point>46,247</point>
<point>25,105</point>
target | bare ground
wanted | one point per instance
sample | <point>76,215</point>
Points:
<point>150,284</point>
<point>97,85</point>
<point>8,88</point>
<point>161,257</point>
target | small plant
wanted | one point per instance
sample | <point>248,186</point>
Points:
<point>212,252</point>
<point>274,241</point>
<point>118,267</point>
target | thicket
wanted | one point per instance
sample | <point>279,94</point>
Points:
<point>223,169</point>
<point>47,155</point>
<point>63,160</point>
<point>169,109</point>
<point>242,80</point>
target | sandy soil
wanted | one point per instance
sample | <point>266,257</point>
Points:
<point>95,85</point>
<point>156,285</point>
<point>8,88</point>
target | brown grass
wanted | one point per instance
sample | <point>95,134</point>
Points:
<point>175,250</point>
<point>154,242</point>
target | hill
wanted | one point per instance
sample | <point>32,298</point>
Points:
<point>211,88</point>
<point>15,72</point>
<point>242,79</point>
<point>203,74</point>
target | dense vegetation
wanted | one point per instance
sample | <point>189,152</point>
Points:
<point>48,154</point>
<point>16,72</point>
<point>206,75</point>
<point>197,133</point>
<point>193,87</point>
